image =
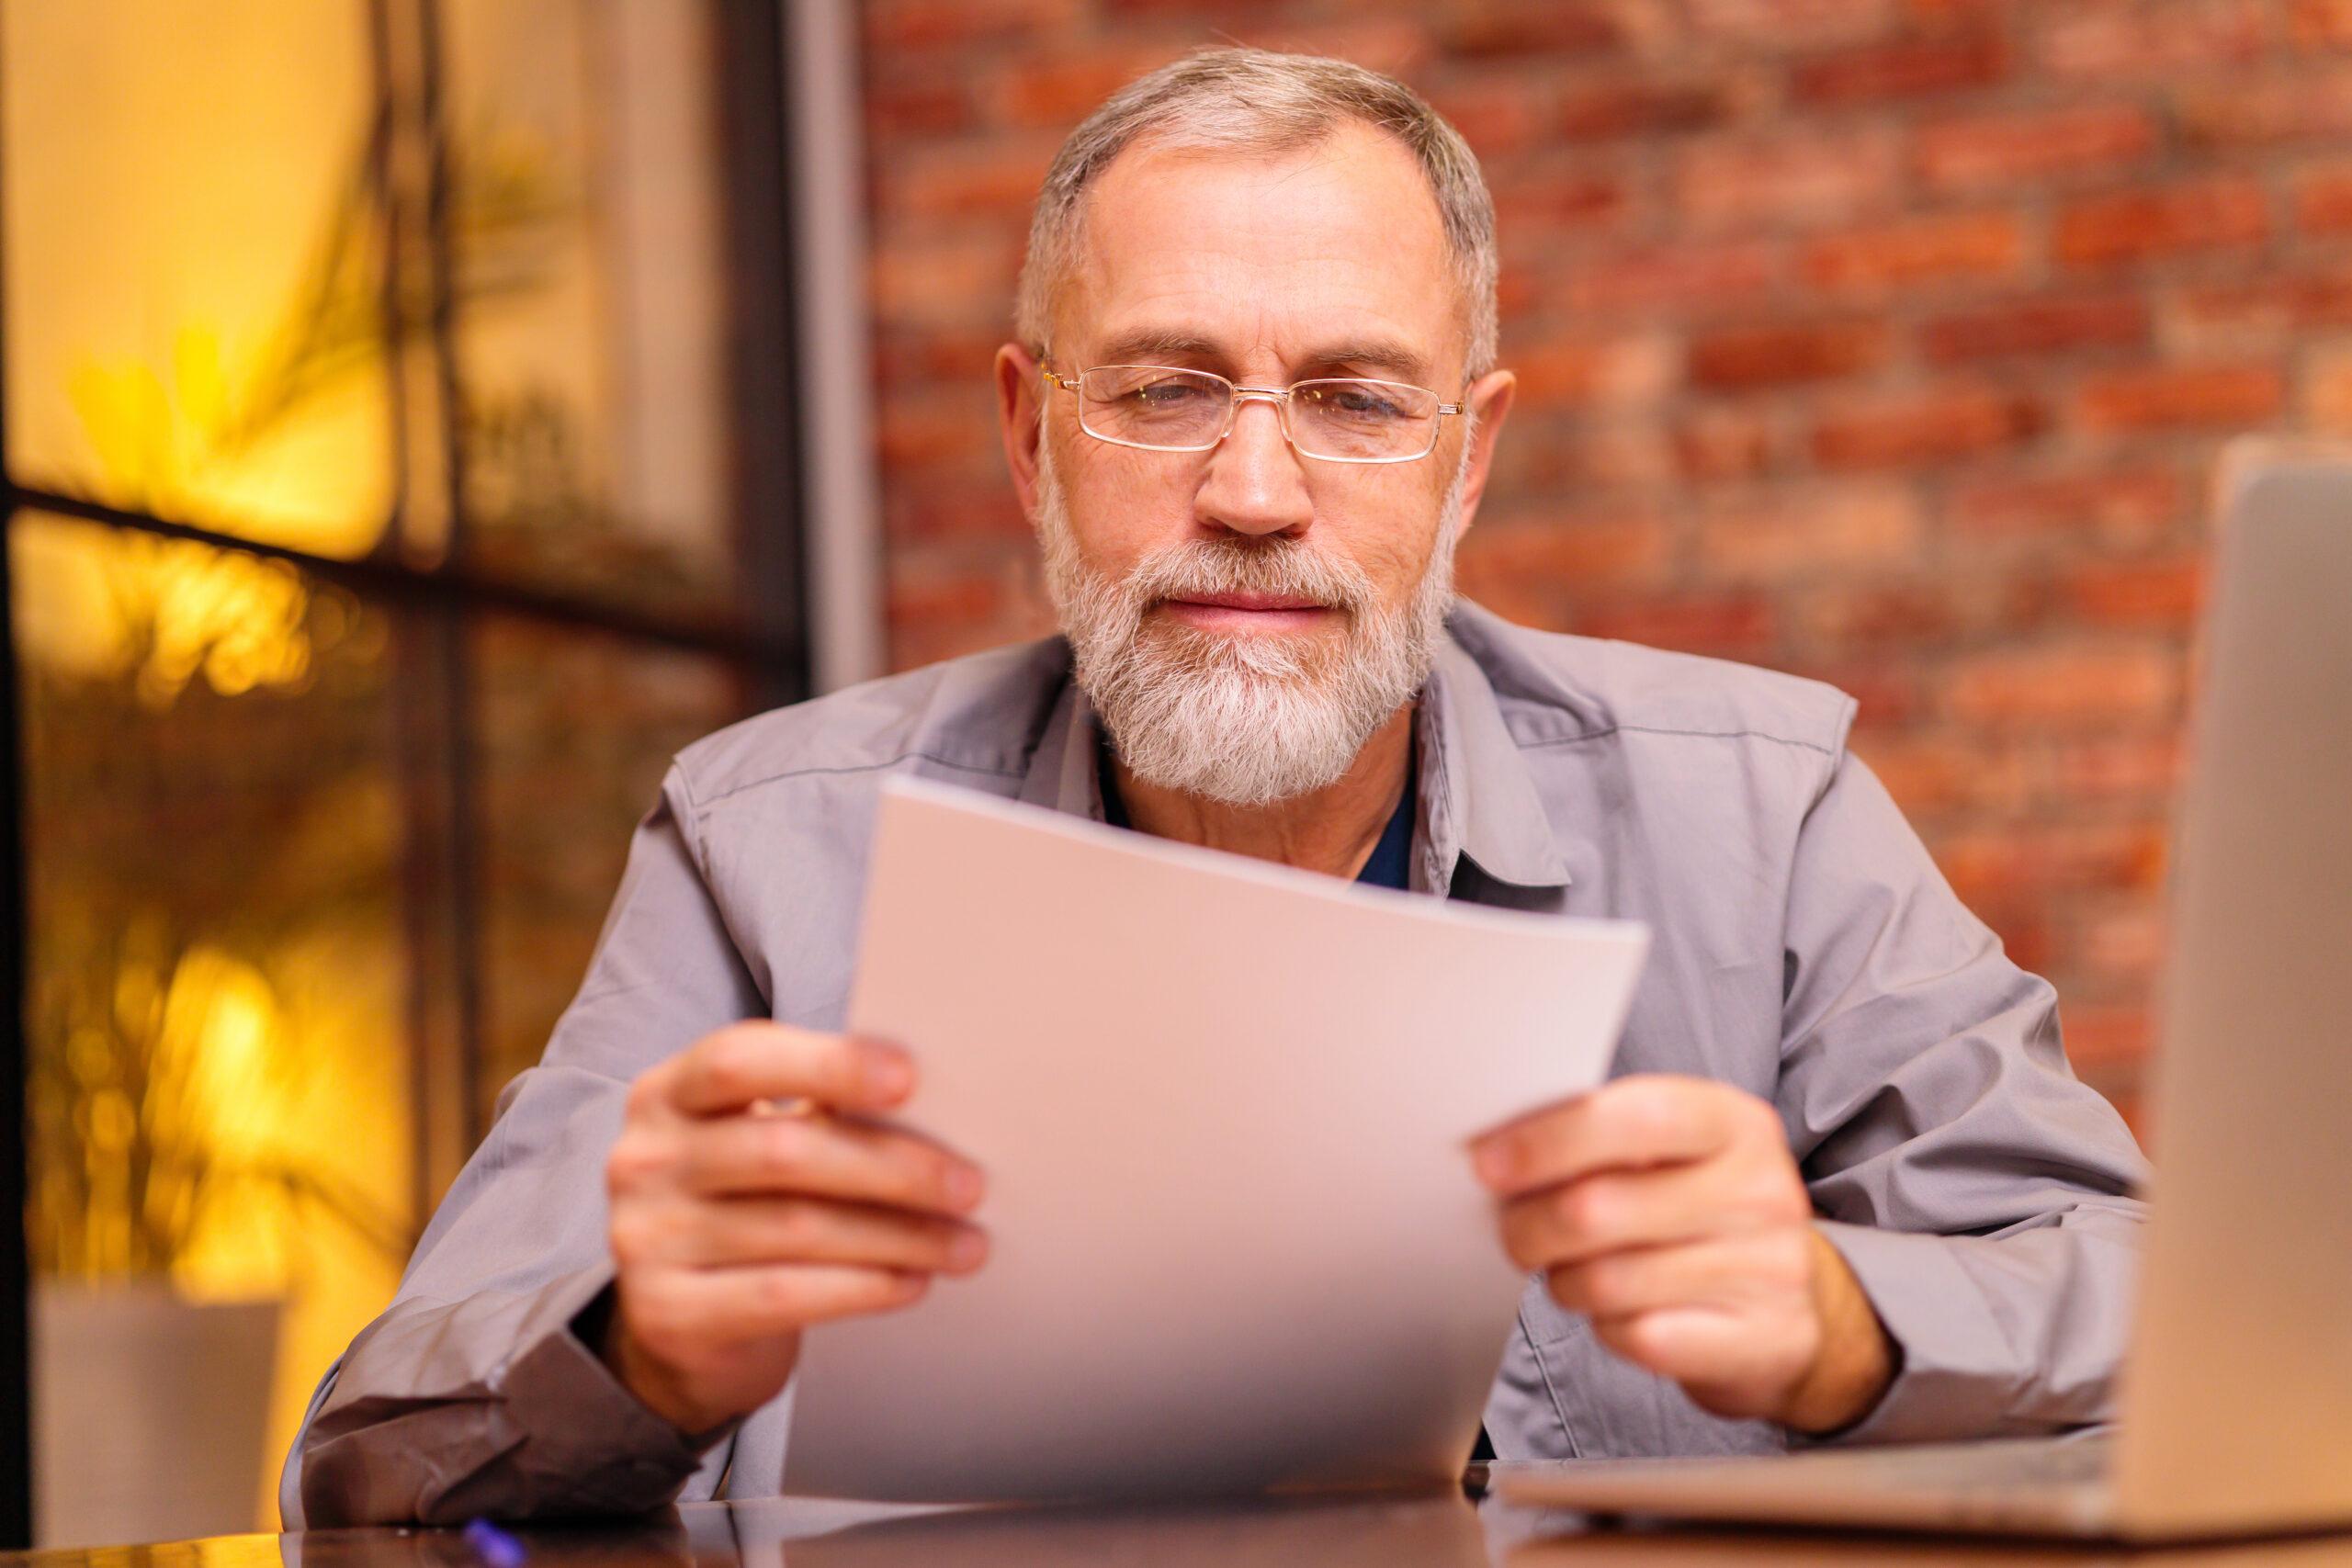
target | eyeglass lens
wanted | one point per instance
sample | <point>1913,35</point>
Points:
<point>1173,409</point>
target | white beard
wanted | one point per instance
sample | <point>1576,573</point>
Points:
<point>1247,719</point>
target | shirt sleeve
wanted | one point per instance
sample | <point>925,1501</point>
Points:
<point>1982,1195</point>
<point>472,1395</point>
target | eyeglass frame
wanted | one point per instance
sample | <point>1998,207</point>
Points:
<point>1281,397</point>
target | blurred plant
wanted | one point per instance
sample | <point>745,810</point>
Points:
<point>158,1109</point>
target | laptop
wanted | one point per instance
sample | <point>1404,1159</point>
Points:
<point>2235,1399</point>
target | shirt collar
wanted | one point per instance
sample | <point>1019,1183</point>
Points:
<point>1477,798</point>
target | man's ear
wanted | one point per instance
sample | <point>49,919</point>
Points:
<point>1020,388</point>
<point>1489,398</point>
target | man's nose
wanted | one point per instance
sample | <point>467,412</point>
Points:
<point>1255,482</point>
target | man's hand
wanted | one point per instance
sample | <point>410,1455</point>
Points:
<point>750,1198</point>
<point>1669,1210</point>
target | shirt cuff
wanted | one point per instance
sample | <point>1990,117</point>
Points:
<point>1958,1375</point>
<point>589,1435</point>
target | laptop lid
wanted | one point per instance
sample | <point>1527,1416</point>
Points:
<point>2238,1395</point>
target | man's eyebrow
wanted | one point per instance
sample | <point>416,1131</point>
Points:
<point>1373,354</point>
<point>1150,346</point>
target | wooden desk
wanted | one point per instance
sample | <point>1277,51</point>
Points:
<point>1395,1531</point>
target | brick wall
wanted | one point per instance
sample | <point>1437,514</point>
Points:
<point>1887,341</point>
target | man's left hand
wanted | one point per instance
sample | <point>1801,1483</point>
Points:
<point>1669,1210</point>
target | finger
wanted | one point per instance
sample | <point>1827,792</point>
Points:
<point>1618,1209</point>
<point>737,1232</point>
<point>823,1157</point>
<point>1718,1273</point>
<point>1721,1357</point>
<point>735,1304</point>
<point>757,1060</point>
<point>1631,1124</point>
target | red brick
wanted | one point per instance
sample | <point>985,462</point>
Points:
<point>1886,695</point>
<point>892,25</point>
<point>2125,944</point>
<point>2268,311</point>
<point>1058,91</point>
<point>2180,397</point>
<point>1722,442</point>
<point>2140,226</point>
<point>944,282</point>
<point>918,430</point>
<point>1740,358</point>
<point>930,598</point>
<point>1792,24</point>
<point>2320,24</point>
<point>896,107</point>
<point>1640,107</point>
<point>1573,551</point>
<point>1881,619</point>
<point>1596,371</point>
<point>2100,1033</point>
<point>2328,392</point>
<point>1789,179</point>
<point>1495,112</point>
<point>1610,455</point>
<point>2111,767</point>
<point>1942,774</point>
<point>2324,200</point>
<point>1513,28</point>
<point>966,179</point>
<point>2064,687</point>
<point>1733,625</point>
<point>1675,276</point>
<point>1581,198</point>
<point>2162,595</point>
<point>2139,40</point>
<point>1908,68</point>
<point>2000,152</point>
<point>1972,247</point>
<point>1922,428</point>
<point>2116,506</point>
<point>2025,328</point>
<point>2268,113</point>
<point>1799,535</point>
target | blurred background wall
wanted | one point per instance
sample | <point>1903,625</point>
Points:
<point>1890,341</point>
<point>422,416</point>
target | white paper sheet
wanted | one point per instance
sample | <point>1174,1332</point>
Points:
<point>1222,1107</point>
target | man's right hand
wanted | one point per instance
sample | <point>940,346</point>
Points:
<point>751,1197</point>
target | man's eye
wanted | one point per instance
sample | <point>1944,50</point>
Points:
<point>1361,402</point>
<point>1169,394</point>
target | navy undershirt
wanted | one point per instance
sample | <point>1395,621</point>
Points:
<point>1391,865</point>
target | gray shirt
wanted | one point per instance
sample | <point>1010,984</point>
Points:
<point>1805,950</point>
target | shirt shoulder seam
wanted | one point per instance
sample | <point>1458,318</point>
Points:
<point>1660,730</point>
<point>709,801</point>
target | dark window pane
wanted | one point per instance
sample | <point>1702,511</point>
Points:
<point>573,735</point>
<point>590,314</point>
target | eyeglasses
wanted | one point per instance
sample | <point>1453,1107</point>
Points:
<point>1161,409</point>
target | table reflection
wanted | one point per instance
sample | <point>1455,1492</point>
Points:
<point>1436,1530</point>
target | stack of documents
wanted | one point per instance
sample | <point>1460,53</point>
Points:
<point>1223,1108</point>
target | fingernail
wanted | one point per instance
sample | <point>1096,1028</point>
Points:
<point>963,1186</point>
<point>966,1250</point>
<point>1494,1162</point>
<point>887,1075</point>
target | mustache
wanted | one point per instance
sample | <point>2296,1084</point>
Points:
<point>1277,569</point>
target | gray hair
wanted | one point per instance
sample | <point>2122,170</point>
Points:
<point>1256,100</point>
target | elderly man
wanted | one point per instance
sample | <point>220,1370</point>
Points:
<point>1844,1185</point>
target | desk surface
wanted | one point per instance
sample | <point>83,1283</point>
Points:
<point>1438,1531</point>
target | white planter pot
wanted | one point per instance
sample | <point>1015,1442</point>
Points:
<point>149,1414</point>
